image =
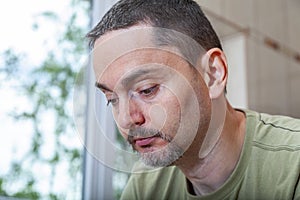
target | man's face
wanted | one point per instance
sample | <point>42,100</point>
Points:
<point>158,102</point>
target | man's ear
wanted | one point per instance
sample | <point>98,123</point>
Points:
<point>215,72</point>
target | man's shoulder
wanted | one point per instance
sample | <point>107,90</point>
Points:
<point>274,131</point>
<point>280,122</point>
<point>275,121</point>
<point>271,156</point>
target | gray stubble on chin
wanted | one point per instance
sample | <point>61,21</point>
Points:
<point>163,157</point>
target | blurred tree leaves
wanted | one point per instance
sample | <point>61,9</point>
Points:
<point>49,89</point>
<point>11,62</point>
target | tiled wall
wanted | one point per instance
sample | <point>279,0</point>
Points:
<point>273,74</point>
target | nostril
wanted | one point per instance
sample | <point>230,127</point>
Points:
<point>139,123</point>
<point>138,119</point>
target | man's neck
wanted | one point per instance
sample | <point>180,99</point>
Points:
<point>210,173</point>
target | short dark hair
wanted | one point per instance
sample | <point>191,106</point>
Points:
<point>184,16</point>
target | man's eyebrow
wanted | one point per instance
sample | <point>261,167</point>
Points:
<point>102,87</point>
<point>128,79</point>
<point>136,74</point>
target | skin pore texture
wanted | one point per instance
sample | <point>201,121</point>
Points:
<point>164,107</point>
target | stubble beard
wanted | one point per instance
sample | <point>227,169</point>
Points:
<point>163,157</point>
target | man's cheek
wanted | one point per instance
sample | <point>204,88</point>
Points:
<point>158,116</point>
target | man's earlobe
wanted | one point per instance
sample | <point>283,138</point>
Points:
<point>215,72</point>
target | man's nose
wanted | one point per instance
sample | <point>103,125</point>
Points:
<point>130,114</point>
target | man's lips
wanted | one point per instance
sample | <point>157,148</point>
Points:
<point>142,142</point>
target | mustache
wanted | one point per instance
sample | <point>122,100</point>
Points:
<point>145,132</point>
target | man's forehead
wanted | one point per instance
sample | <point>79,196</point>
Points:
<point>116,44</point>
<point>145,61</point>
<point>135,41</point>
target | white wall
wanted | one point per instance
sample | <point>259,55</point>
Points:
<point>235,50</point>
<point>273,74</point>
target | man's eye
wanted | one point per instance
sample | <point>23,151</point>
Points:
<point>149,92</point>
<point>112,101</point>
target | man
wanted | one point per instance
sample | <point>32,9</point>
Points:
<point>162,68</point>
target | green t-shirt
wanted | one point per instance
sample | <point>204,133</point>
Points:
<point>268,169</point>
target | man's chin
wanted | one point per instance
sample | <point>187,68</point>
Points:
<point>154,162</point>
<point>164,157</point>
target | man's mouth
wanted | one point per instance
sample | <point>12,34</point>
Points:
<point>145,142</point>
<point>148,143</point>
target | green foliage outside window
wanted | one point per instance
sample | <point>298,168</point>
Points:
<point>48,90</point>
